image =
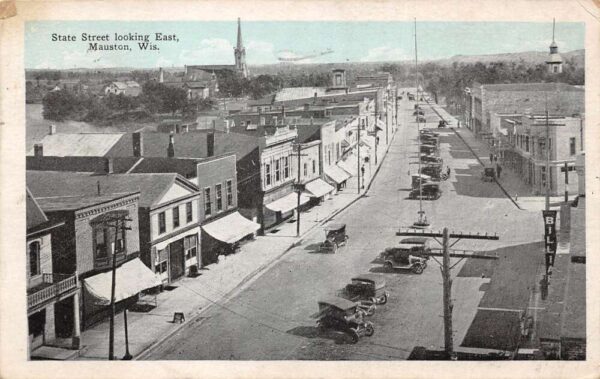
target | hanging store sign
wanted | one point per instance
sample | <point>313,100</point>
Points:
<point>549,230</point>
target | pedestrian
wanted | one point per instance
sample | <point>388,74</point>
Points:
<point>495,158</point>
<point>498,170</point>
<point>491,158</point>
<point>448,171</point>
<point>362,171</point>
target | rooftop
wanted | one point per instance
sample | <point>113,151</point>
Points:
<point>78,144</point>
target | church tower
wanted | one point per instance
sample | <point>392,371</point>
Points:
<point>240,53</point>
<point>554,61</point>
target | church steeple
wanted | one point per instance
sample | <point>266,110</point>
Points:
<point>554,61</point>
<point>240,53</point>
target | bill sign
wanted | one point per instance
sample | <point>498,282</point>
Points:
<point>549,235</point>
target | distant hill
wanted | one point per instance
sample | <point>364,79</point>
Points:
<point>529,57</point>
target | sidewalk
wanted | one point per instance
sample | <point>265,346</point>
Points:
<point>217,282</point>
<point>521,194</point>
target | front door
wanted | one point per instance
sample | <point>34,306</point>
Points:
<point>37,325</point>
<point>176,256</point>
<point>63,317</point>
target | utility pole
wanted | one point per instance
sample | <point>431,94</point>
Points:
<point>358,158</point>
<point>446,268</point>
<point>117,221</point>
<point>566,183</point>
<point>547,161</point>
<point>299,187</point>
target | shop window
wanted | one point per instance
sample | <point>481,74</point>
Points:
<point>188,212</point>
<point>161,267</point>
<point>176,217</point>
<point>34,258</point>
<point>207,202</point>
<point>190,246</point>
<point>162,223</point>
<point>219,197</point>
<point>230,193</point>
<point>277,172</point>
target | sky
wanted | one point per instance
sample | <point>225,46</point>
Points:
<point>213,42</point>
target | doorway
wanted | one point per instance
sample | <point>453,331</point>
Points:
<point>176,256</point>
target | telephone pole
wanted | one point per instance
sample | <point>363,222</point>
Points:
<point>445,267</point>
<point>299,186</point>
<point>358,158</point>
<point>117,221</point>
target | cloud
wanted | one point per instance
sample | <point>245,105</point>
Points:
<point>209,51</point>
<point>260,52</point>
<point>163,62</point>
<point>384,53</point>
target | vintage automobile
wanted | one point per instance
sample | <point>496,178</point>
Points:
<point>434,170</point>
<point>426,137</point>
<point>429,132</point>
<point>344,316</point>
<point>488,174</point>
<point>417,106</point>
<point>428,191</point>
<point>423,242</point>
<point>428,149</point>
<point>418,112</point>
<point>426,158</point>
<point>421,119</point>
<point>335,236</point>
<point>405,256</point>
<point>417,179</point>
<point>442,124</point>
<point>368,287</point>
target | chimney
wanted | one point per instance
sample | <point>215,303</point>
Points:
<point>138,144</point>
<point>52,129</point>
<point>38,150</point>
<point>161,76</point>
<point>171,148</point>
<point>210,143</point>
<point>108,166</point>
<point>315,98</point>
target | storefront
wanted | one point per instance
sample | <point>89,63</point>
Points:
<point>131,278</point>
<point>317,190</point>
<point>337,175</point>
<point>222,236</point>
<point>283,208</point>
<point>177,256</point>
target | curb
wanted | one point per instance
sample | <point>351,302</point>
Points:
<point>478,159</point>
<point>261,269</point>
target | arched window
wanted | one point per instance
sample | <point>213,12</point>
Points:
<point>34,258</point>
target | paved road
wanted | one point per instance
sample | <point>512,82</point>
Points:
<point>270,320</point>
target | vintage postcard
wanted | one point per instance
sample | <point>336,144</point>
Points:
<point>228,189</point>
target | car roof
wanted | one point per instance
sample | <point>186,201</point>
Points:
<point>415,240</point>
<point>335,226</point>
<point>375,278</point>
<point>431,184</point>
<point>421,176</point>
<point>338,302</point>
<point>409,245</point>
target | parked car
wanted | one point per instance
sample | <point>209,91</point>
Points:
<point>426,158</point>
<point>345,316</point>
<point>405,256</point>
<point>421,119</point>
<point>428,191</point>
<point>335,236</point>
<point>488,174</point>
<point>368,287</point>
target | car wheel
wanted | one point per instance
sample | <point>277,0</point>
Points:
<point>417,269</point>
<point>424,265</point>
<point>370,330</point>
<point>383,299</point>
<point>353,333</point>
<point>388,265</point>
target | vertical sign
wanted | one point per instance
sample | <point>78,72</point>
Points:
<point>549,235</point>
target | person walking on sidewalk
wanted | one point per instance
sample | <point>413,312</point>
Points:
<point>498,170</point>
<point>491,158</point>
<point>448,171</point>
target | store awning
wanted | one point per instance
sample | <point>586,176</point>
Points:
<point>231,228</point>
<point>318,188</point>
<point>287,203</point>
<point>337,174</point>
<point>131,278</point>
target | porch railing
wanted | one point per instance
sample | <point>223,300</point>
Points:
<point>58,284</point>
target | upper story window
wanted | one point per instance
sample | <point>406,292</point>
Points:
<point>305,169</point>
<point>162,223</point>
<point>188,212</point>
<point>100,237</point>
<point>207,202</point>
<point>176,217</point>
<point>286,167</point>
<point>527,144</point>
<point>277,171</point>
<point>34,258</point>
<point>314,164</point>
<point>229,193</point>
<point>268,174</point>
<point>219,197</point>
<point>572,146</point>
